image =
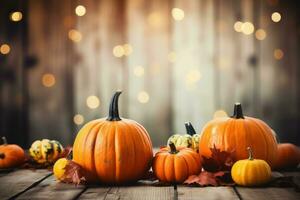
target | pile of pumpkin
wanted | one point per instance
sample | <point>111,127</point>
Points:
<point>116,150</point>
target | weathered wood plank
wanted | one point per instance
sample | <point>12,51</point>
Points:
<point>190,193</point>
<point>16,182</point>
<point>129,192</point>
<point>52,189</point>
<point>268,193</point>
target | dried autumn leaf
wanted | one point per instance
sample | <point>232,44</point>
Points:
<point>219,160</point>
<point>205,179</point>
<point>73,173</point>
<point>67,152</point>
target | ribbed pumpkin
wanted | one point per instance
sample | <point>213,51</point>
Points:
<point>251,172</point>
<point>190,139</point>
<point>238,132</point>
<point>174,165</point>
<point>288,156</point>
<point>113,150</point>
<point>11,155</point>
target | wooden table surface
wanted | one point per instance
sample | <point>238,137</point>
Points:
<point>41,184</point>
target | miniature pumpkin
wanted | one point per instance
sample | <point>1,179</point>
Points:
<point>11,155</point>
<point>190,139</point>
<point>233,134</point>
<point>113,150</point>
<point>251,172</point>
<point>174,165</point>
<point>288,156</point>
<point>45,151</point>
<point>59,168</point>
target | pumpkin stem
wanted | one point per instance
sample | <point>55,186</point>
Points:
<point>173,148</point>
<point>238,112</point>
<point>4,140</point>
<point>189,128</point>
<point>250,153</point>
<point>113,114</point>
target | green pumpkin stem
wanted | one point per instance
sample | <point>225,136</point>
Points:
<point>4,140</point>
<point>189,128</point>
<point>173,149</point>
<point>250,153</point>
<point>113,114</point>
<point>238,112</point>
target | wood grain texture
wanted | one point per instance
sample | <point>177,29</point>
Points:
<point>208,193</point>
<point>52,189</point>
<point>17,181</point>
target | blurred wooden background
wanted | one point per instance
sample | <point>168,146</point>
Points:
<point>176,68</point>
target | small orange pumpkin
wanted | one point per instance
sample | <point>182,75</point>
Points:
<point>113,150</point>
<point>176,165</point>
<point>236,133</point>
<point>11,155</point>
<point>288,156</point>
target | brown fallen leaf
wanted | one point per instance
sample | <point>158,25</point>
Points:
<point>205,179</point>
<point>74,173</point>
<point>219,160</point>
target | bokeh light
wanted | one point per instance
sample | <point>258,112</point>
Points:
<point>260,34</point>
<point>238,26</point>
<point>4,49</point>
<point>247,28</point>
<point>178,14</point>
<point>93,102</point>
<point>16,16</point>
<point>80,10</point>
<point>193,76</point>
<point>278,54</point>
<point>220,113</point>
<point>127,48</point>
<point>143,97</point>
<point>172,56</point>
<point>78,119</point>
<point>48,80</point>
<point>276,17</point>
<point>155,20</point>
<point>139,71</point>
<point>75,35</point>
<point>118,51</point>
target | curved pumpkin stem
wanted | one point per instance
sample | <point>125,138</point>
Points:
<point>173,149</point>
<point>250,153</point>
<point>113,114</point>
<point>4,140</point>
<point>238,111</point>
<point>189,128</point>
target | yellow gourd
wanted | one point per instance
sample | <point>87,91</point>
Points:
<point>251,172</point>
<point>45,151</point>
<point>59,168</point>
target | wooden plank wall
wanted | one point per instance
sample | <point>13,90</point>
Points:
<point>210,67</point>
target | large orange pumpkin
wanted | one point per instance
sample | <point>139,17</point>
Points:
<point>236,133</point>
<point>288,156</point>
<point>11,155</point>
<point>174,165</point>
<point>113,150</point>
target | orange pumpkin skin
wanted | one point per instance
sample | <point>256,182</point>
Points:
<point>288,156</point>
<point>236,133</point>
<point>11,155</point>
<point>175,166</point>
<point>113,150</point>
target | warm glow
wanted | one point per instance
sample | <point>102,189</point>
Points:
<point>247,28</point>
<point>127,49</point>
<point>139,71</point>
<point>143,97</point>
<point>118,51</point>
<point>155,19</point>
<point>48,80</point>
<point>178,14</point>
<point>220,113</point>
<point>172,56</point>
<point>75,35</point>
<point>238,26</point>
<point>16,16</point>
<point>276,17</point>
<point>260,34</point>
<point>278,54</point>
<point>80,10</point>
<point>92,102</point>
<point>4,49</point>
<point>78,119</point>
<point>193,76</point>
